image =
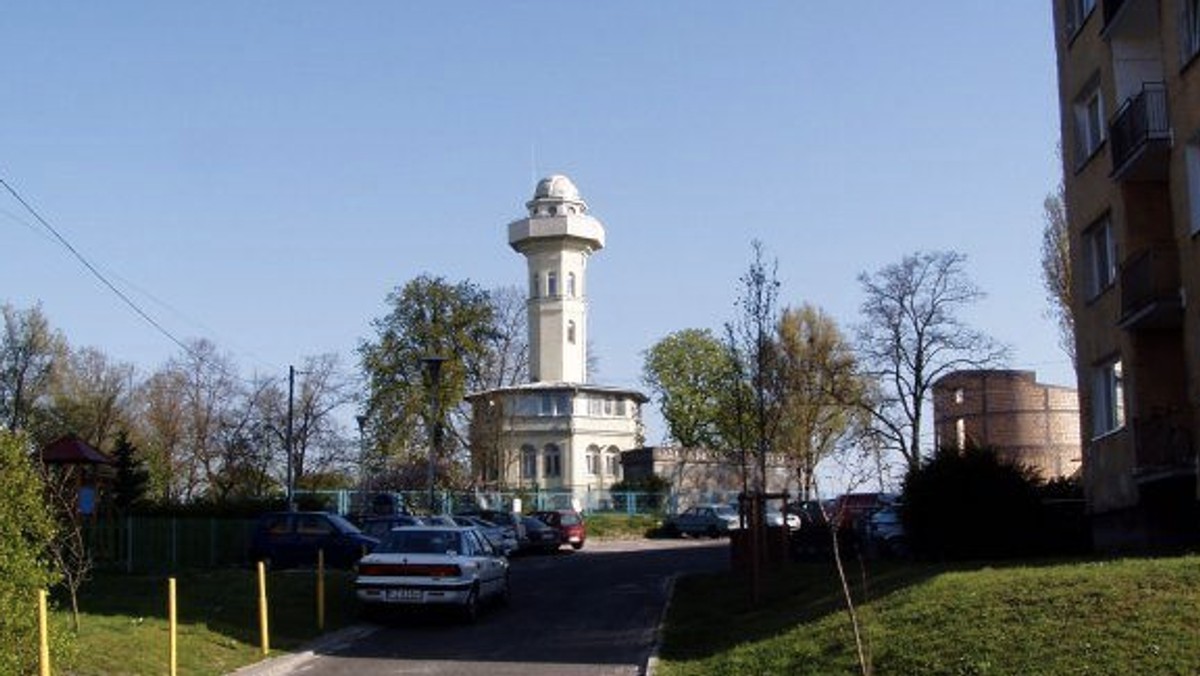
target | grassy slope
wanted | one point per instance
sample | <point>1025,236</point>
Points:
<point>124,628</point>
<point>1117,617</point>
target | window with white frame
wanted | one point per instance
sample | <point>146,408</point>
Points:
<point>552,457</point>
<point>552,284</point>
<point>1192,171</point>
<point>1108,398</point>
<point>1189,29</point>
<point>1089,121</point>
<point>612,462</point>
<point>593,460</point>
<point>1100,257</point>
<point>1077,13</point>
<point>529,463</point>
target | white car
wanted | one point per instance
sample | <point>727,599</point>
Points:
<point>433,566</point>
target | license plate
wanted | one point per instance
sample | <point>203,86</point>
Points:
<point>405,595</point>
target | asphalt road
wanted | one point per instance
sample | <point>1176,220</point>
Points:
<point>595,611</point>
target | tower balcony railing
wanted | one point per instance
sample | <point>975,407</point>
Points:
<point>1150,289</point>
<point>1140,134</point>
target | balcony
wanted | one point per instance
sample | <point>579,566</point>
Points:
<point>1162,448</point>
<point>1150,290</point>
<point>1140,135</point>
<point>1129,19</point>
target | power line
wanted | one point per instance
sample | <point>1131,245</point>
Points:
<point>92,269</point>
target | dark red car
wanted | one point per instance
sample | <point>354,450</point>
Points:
<point>568,523</point>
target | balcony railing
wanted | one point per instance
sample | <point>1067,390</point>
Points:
<point>1150,289</point>
<point>1141,120</point>
<point>1163,445</point>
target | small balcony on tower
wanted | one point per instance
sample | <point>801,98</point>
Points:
<point>1150,290</point>
<point>1140,135</point>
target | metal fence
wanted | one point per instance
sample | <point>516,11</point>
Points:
<point>352,503</point>
<point>163,543</point>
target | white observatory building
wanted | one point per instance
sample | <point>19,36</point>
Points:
<point>558,433</point>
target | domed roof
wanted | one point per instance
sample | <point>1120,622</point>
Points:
<point>557,186</point>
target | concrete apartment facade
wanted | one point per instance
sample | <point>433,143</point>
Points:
<point>1129,94</point>
<point>1025,421</point>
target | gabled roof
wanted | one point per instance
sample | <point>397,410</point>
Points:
<point>71,450</point>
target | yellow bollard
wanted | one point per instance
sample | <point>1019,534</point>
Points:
<point>172,629</point>
<point>321,589</point>
<point>262,609</point>
<point>43,636</point>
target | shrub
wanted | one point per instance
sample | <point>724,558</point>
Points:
<point>970,504</point>
<point>26,530</point>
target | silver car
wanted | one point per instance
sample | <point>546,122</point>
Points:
<point>433,566</point>
<point>711,520</point>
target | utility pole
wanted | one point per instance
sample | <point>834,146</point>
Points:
<point>291,497</point>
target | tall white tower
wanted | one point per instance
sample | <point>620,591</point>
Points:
<point>556,239</point>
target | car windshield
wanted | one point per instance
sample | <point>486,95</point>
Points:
<point>343,525</point>
<point>725,510</point>
<point>416,541</point>
<point>569,519</point>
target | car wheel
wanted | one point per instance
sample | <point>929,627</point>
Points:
<point>576,546</point>
<point>671,530</point>
<point>470,609</point>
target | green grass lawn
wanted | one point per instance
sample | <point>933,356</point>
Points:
<point>1132,616</point>
<point>614,525</point>
<point>123,629</point>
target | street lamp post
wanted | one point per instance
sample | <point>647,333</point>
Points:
<point>362,461</point>
<point>291,489</point>
<point>434,367</point>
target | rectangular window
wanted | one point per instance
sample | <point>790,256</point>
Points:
<point>1100,257</point>
<point>553,464</point>
<point>1192,174</point>
<point>529,465</point>
<point>593,463</point>
<point>552,284</point>
<point>1089,122</point>
<point>1189,29</point>
<point>1077,13</point>
<point>595,406</point>
<point>1108,398</point>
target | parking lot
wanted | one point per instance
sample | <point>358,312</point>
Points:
<point>593,611</point>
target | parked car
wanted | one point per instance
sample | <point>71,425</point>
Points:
<point>571,527</point>
<point>711,520</point>
<point>503,538</point>
<point>885,534</point>
<point>539,537</point>
<point>288,539</point>
<point>775,518</point>
<point>500,518</point>
<point>433,566</point>
<point>378,526</point>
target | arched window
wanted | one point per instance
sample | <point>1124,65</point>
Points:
<point>593,460</point>
<point>528,463</point>
<point>571,332</point>
<point>571,284</point>
<point>551,462</point>
<point>612,462</point>
<point>552,284</point>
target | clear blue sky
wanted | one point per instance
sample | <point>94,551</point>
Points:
<point>262,174</point>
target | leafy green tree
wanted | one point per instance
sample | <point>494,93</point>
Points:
<point>1056,266</point>
<point>29,348</point>
<point>429,317</point>
<point>689,373</point>
<point>818,376</point>
<point>26,531</point>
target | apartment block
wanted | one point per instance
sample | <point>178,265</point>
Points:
<point>1129,96</point>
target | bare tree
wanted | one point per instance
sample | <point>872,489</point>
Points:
<point>68,549</point>
<point>911,335</point>
<point>88,397</point>
<point>1056,267</point>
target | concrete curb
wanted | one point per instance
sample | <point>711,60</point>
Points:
<point>285,664</point>
<point>652,661</point>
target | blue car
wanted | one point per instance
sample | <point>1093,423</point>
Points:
<point>290,539</point>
